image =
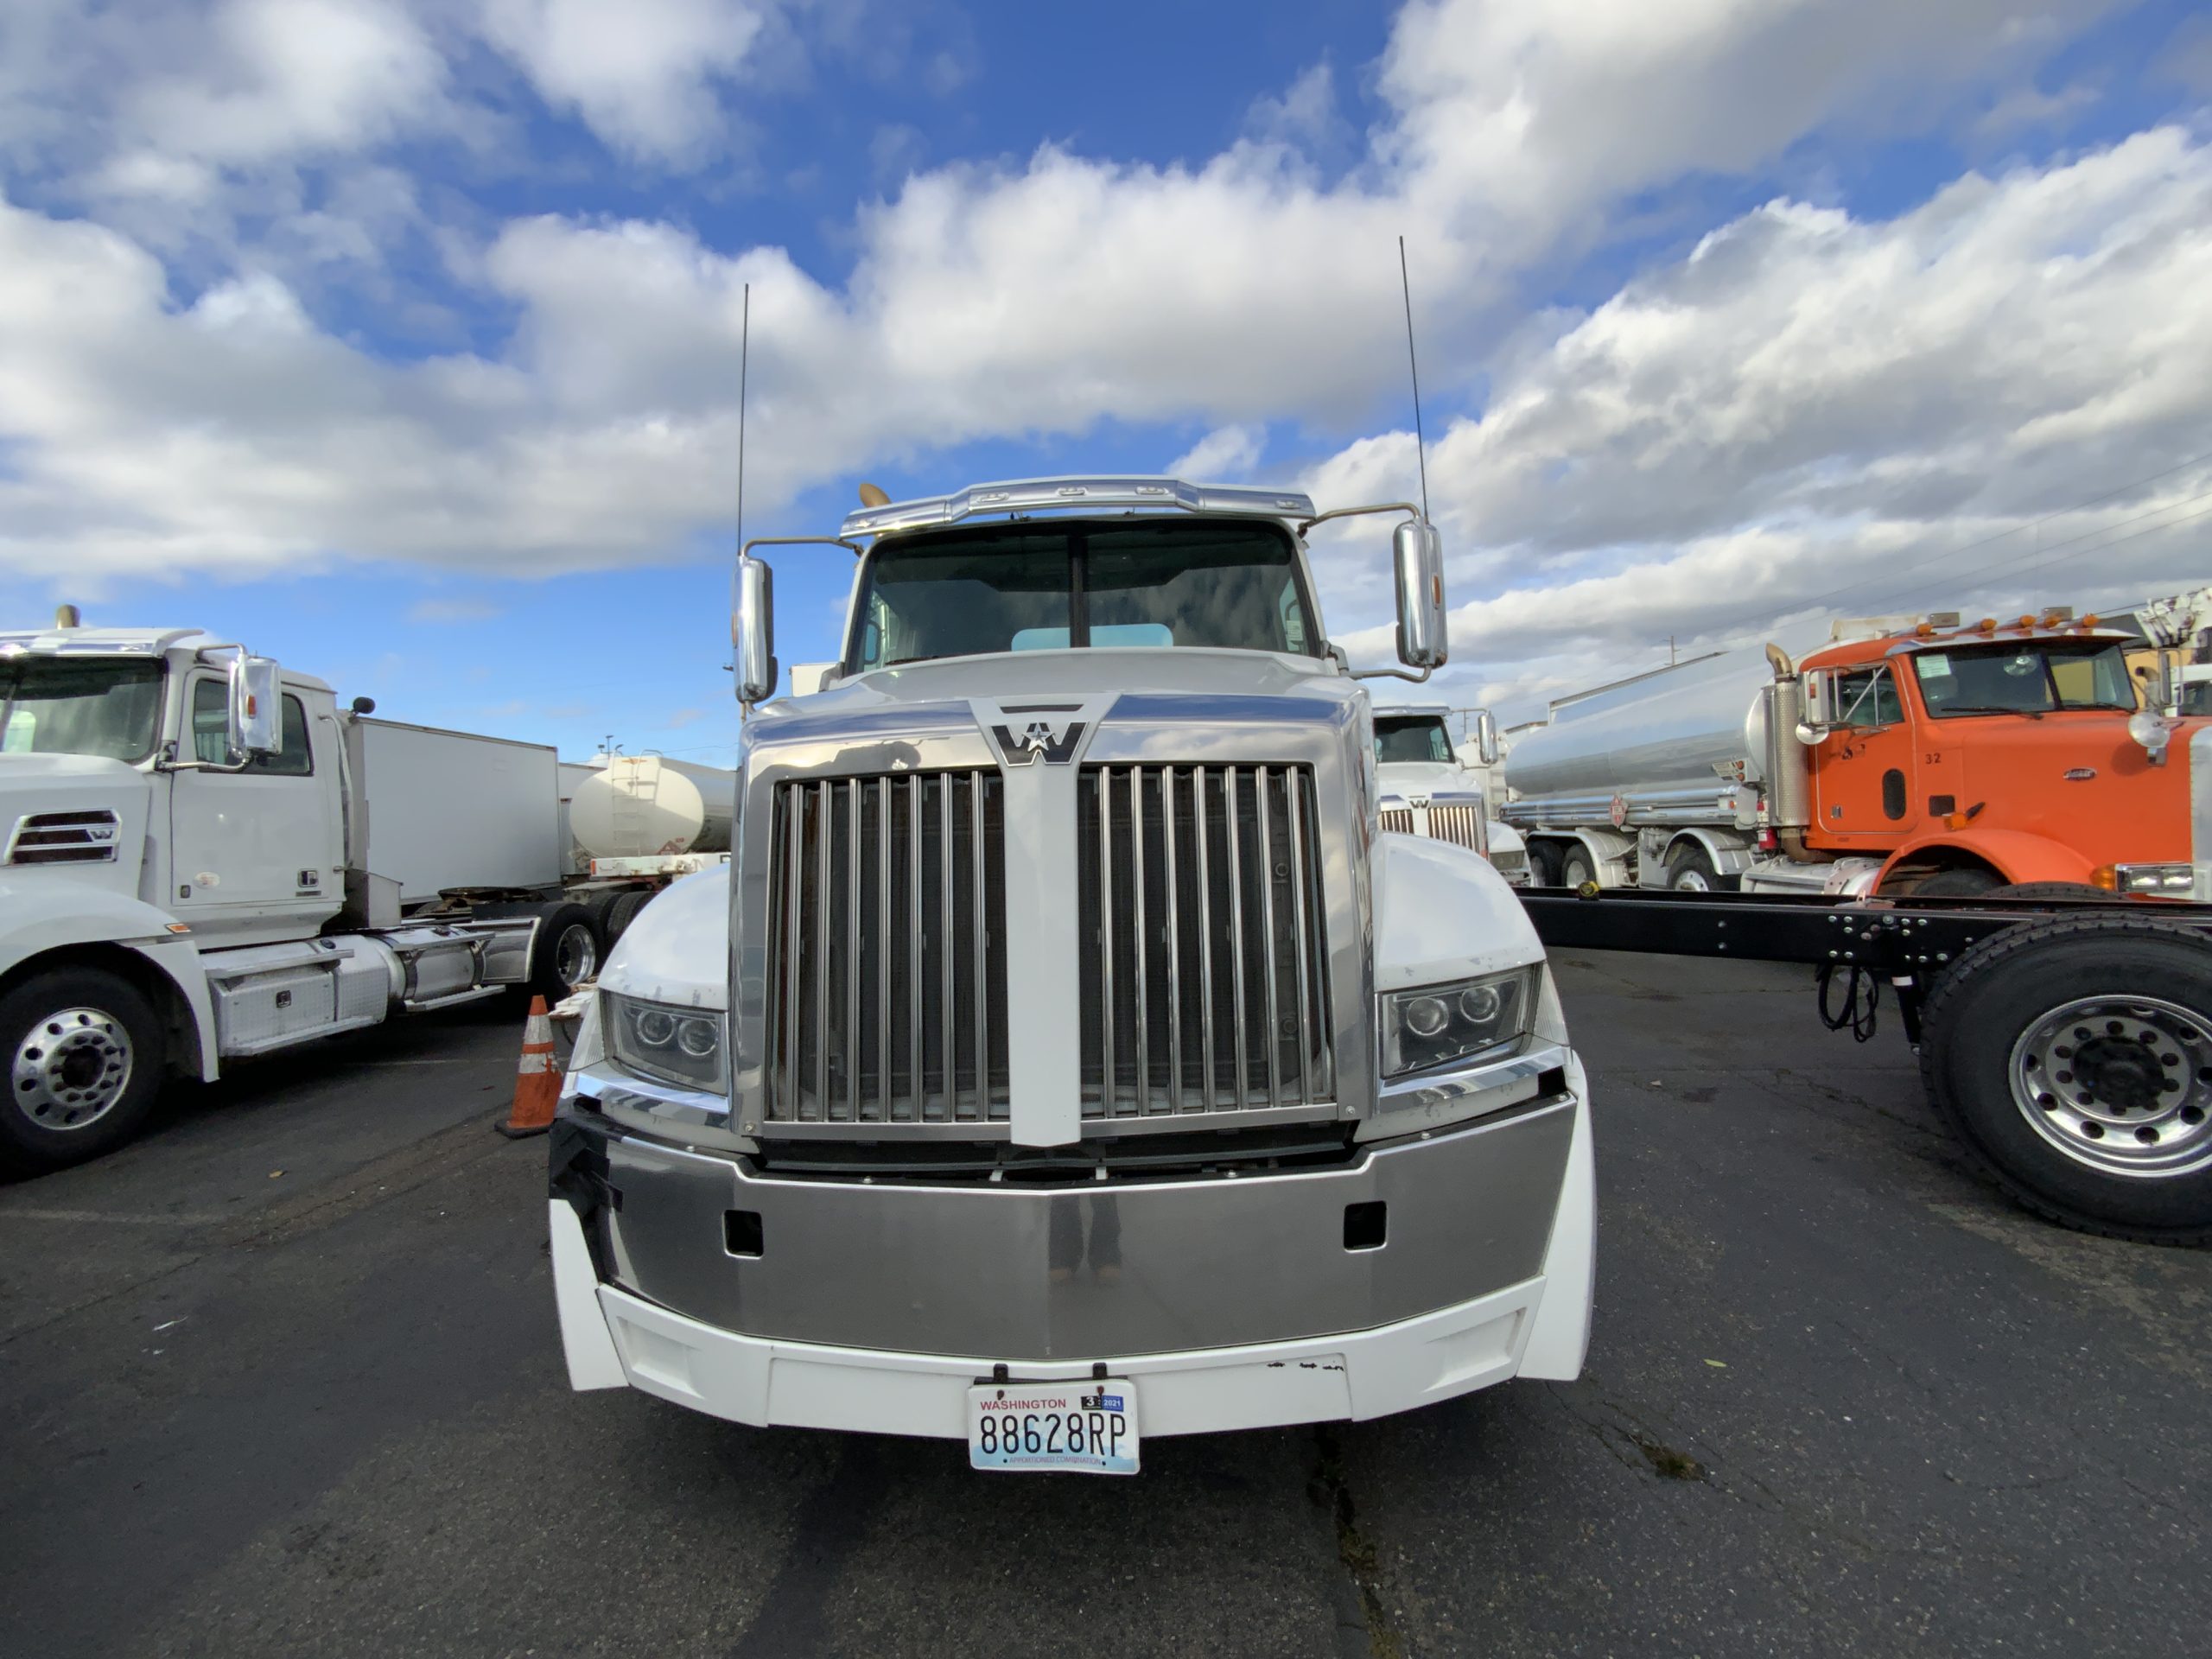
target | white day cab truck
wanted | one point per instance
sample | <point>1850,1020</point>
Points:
<point>206,859</point>
<point>1066,1057</point>
<point>1428,788</point>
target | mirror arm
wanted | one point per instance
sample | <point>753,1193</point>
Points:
<point>1391,674</point>
<point>1353,512</point>
<point>854,548</point>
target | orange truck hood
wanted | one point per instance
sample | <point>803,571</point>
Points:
<point>2078,779</point>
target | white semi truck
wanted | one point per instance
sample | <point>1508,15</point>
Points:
<point>1429,789</point>
<point>1065,1058</point>
<point>202,857</point>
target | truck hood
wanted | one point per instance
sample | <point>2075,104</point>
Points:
<point>73,818</point>
<point>1434,777</point>
<point>2077,776</point>
<point>1175,669</point>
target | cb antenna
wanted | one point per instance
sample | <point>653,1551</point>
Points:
<point>744,356</point>
<point>1420,442</point>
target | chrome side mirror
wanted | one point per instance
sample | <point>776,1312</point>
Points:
<point>752,631</point>
<point>256,725</point>
<point>1486,737</point>
<point>1418,552</point>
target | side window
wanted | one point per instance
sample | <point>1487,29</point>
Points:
<point>1867,696</point>
<point>210,731</point>
<point>210,719</point>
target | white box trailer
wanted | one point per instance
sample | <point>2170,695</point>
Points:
<point>453,810</point>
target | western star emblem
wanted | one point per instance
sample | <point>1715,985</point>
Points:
<point>1037,738</point>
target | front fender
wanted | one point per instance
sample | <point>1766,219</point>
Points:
<point>1444,912</point>
<point>43,917</point>
<point>2013,854</point>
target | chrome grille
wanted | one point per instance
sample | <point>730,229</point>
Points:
<point>65,838</point>
<point>886,986</point>
<point>1460,825</point>
<point>1399,818</point>
<point>1204,973</point>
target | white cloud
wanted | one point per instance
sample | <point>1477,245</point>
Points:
<point>1227,452</point>
<point>284,77</point>
<point>1814,415</point>
<point>1042,297</point>
<point>641,74</point>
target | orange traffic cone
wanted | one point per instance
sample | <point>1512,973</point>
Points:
<point>537,1079</point>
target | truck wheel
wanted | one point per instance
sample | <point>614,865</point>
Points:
<point>84,1053</point>
<point>1543,864</point>
<point>2074,1058</point>
<point>624,911</point>
<point>1954,884</point>
<point>1690,870</point>
<point>568,952</point>
<point>1574,867</point>
<point>2069,892</point>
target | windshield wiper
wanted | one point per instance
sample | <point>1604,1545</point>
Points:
<point>1988,708</point>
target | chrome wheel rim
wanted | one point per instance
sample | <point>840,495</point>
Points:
<point>1691,881</point>
<point>575,955</point>
<point>2120,1085</point>
<point>71,1068</point>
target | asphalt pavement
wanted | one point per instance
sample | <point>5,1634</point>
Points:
<point>283,1378</point>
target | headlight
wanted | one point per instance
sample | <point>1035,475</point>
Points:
<point>1438,1024</point>
<point>680,1045</point>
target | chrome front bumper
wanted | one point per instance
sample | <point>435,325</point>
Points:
<point>1484,1274</point>
<point>1094,1269</point>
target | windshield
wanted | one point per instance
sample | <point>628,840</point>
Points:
<point>1417,738</point>
<point>1231,584</point>
<point>74,705</point>
<point>2032,678</point>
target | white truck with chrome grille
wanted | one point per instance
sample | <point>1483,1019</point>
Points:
<point>1065,1058</point>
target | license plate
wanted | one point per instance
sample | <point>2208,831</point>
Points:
<point>1088,1427</point>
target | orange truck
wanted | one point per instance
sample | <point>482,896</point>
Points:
<point>1906,756</point>
<point>1980,817</point>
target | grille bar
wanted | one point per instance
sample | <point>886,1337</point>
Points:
<point>1199,896</point>
<point>901,1019</point>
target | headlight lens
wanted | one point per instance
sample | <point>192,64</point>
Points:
<point>1438,1024</point>
<point>680,1045</point>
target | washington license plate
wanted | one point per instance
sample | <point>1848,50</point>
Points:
<point>1087,1428</point>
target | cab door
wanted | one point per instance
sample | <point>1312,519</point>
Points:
<point>1863,789</point>
<point>253,854</point>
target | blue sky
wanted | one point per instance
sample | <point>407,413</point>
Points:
<point>398,338</point>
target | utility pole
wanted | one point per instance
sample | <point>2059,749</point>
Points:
<point>1670,650</point>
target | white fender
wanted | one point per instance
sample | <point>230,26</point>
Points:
<point>1443,912</point>
<point>48,916</point>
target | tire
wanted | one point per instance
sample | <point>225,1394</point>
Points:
<point>2001,1057</point>
<point>84,1057</point>
<point>1955,884</point>
<point>2062,892</point>
<point>1543,864</point>
<point>624,911</point>
<point>1690,870</point>
<point>566,950</point>
<point>1575,868</point>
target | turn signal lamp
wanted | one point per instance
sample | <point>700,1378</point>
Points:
<point>1925,631</point>
<point>2090,620</point>
<point>1988,624</point>
<point>1957,820</point>
<point>2025,622</point>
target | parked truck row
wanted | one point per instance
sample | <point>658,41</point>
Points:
<point>206,858</point>
<point>1906,756</point>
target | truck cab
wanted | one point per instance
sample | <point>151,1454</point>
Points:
<point>1064,1027</point>
<point>187,875</point>
<point>1975,757</point>
<point>1429,789</point>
